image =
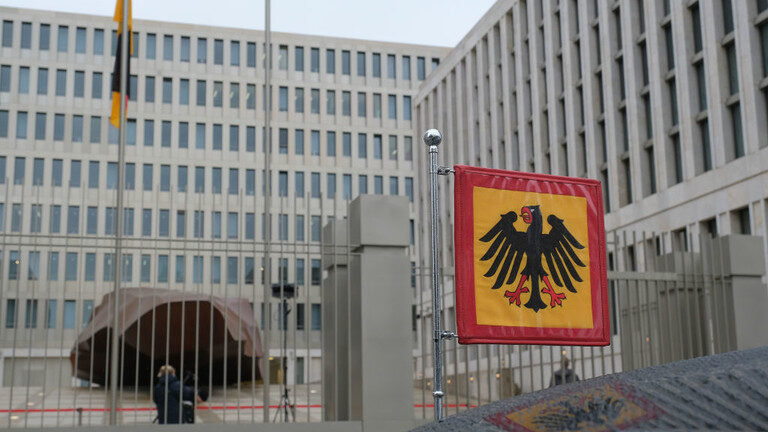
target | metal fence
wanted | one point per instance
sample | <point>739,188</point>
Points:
<point>668,302</point>
<point>57,249</point>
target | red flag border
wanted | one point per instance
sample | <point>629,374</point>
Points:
<point>469,331</point>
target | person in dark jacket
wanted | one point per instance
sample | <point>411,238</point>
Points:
<point>564,374</point>
<point>166,396</point>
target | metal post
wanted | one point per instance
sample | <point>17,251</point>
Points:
<point>267,208</point>
<point>432,139</point>
<point>114,349</point>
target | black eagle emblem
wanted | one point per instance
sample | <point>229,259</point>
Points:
<point>510,245</point>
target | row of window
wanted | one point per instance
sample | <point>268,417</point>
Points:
<point>69,314</point>
<point>201,93</point>
<point>179,133</point>
<point>235,51</point>
<point>183,181</point>
<point>231,222</point>
<point>184,270</point>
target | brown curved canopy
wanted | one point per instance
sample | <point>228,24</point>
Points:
<point>214,337</point>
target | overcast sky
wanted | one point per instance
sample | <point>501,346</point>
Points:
<point>429,22</point>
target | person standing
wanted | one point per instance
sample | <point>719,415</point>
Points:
<point>166,395</point>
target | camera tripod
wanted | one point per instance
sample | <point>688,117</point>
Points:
<point>285,400</point>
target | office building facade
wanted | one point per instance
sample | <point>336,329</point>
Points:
<point>194,180</point>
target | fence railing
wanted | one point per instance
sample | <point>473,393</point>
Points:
<point>667,301</point>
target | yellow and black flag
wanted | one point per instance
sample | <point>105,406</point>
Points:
<point>114,117</point>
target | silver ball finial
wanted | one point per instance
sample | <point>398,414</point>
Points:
<point>432,137</point>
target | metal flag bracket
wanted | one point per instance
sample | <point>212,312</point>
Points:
<point>432,139</point>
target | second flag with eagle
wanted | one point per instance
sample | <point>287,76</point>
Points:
<point>530,258</point>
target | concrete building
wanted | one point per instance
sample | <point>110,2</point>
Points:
<point>665,102</point>
<point>342,126</point>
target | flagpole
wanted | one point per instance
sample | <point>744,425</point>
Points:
<point>114,352</point>
<point>267,207</point>
<point>432,139</point>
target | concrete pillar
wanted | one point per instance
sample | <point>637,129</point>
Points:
<point>747,297</point>
<point>335,318</point>
<point>367,340</point>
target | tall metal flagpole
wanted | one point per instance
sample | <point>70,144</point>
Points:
<point>267,206</point>
<point>114,352</point>
<point>432,139</point>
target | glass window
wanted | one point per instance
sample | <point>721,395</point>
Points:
<point>145,268</point>
<point>407,68</point>
<point>61,82</point>
<point>234,138</point>
<point>96,85</point>
<point>19,169</point>
<point>5,78</point>
<point>421,68</point>
<point>218,52</point>
<point>299,141</point>
<point>331,143</point>
<point>232,270</point>
<point>128,222</point>
<point>167,90</point>
<point>93,174</point>
<point>45,37</point>
<point>315,184</point>
<point>216,269</point>
<point>316,310</point>
<point>408,148</point>
<point>92,220</point>
<point>184,54</point>
<point>361,105</point>
<point>234,95</point>
<point>10,304</point>
<point>315,101</point>
<point>168,47</point>
<point>392,105</point>
<point>299,229</point>
<point>200,93</point>
<point>165,178</point>
<point>146,222</point>
<point>394,188</point>
<point>299,180</point>
<point>26,35</point>
<point>180,268</point>
<point>250,139</point>
<point>69,314</point>
<point>234,53</point>
<point>38,168</point>
<point>23,80</point>
<point>164,223</point>
<point>95,129</point>
<point>70,266</point>
<point>16,218</point>
<point>197,269</point>
<point>362,146</point>
<point>314,60</point>
<point>299,59</point>
<point>149,133</point>
<point>377,105</point>
<point>50,314</point>
<point>282,57</point>
<point>378,185</point>
<point>406,108</point>
<point>251,54</point>
<point>346,103</point>
<point>250,96</point>
<point>216,180</point>
<point>110,221</point>
<point>218,97</point>
<point>109,267</point>
<point>377,146</point>
<point>330,102</point>
<point>181,178</point>
<point>183,135</point>
<point>216,225</point>
<point>21,125</point>
<point>77,128</point>
<point>283,141</point>
<point>165,133</point>
<point>347,186</point>
<point>162,268</point>
<point>63,39</point>
<point>202,50</point>
<point>314,143</point>
<point>283,98</point>
<point>36,218</point>
<point>376,64</point>
<point>13,265</point>
<point>150,48</point>
<point>74,174</point>
<point>409,188</point>
<point>55,220</point>
<point>183,91</point>
<point>391,69</point>
<point>80,40</point>
<point>111,175</point>
<point>233,181</point>
<point>40,126</point>
<point>199,179</point>
<point>315,228</point>
<point>3,124</point>
<point>360,64</point>
<point>345,60</point>
<point>330,61</point>
<point>56,171</point>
